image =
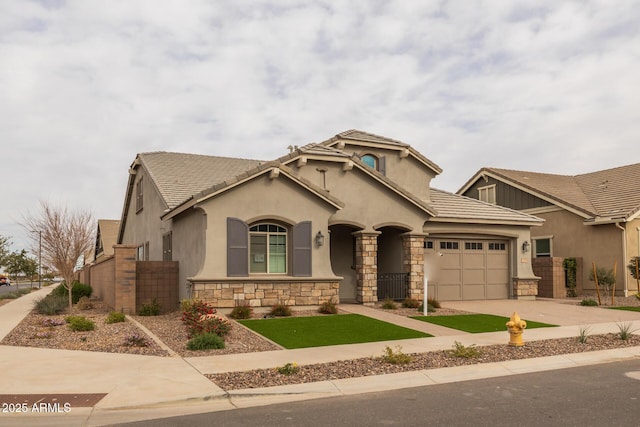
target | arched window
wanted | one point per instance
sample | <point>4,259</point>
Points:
<point>267,249</point>
<point>371,161</point>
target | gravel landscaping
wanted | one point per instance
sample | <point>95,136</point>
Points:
<point>169,329</point>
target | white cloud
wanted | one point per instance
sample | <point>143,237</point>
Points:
<point>85,85</point>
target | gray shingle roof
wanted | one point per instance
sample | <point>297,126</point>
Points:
<point>179,176</point>
<point>610,193</point>
<point>456,207</point>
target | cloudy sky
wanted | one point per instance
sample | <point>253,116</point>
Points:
<point>548,86</point>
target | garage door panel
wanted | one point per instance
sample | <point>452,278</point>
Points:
<point>470,292</point>
<point>449,292</point>
<point>473,277</point>
<point>471,270</point>
<point>474,260</point>
<point>497,291</point>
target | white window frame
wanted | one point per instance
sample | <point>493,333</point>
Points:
<point>487,194</point>
<point>267,256</point>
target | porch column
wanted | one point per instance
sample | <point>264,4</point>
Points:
<point>367,266</point>
<point>413,263</point>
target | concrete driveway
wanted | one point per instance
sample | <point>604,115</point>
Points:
<point>556,312</point>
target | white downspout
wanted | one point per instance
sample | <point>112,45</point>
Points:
<point>624,258</point>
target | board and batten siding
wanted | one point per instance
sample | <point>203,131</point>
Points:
<point>507,195</point>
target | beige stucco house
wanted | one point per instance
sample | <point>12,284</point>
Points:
<point>594,217</point>
<point>341,219</point>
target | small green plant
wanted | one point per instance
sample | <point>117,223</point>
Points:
<point>430,308</point>
<point>625,330</point>
<point>389,304</point>
<point>136,340</point>
<point>78,290</point>
<point>584,333</point>
<point>589,302</point>
<point>467,352</point>
<point>51,304</point>
<point>242,310</point>
<point>84,303</point>
<point>433,303</point>
<point>411,303</point>
<point>288,369</point>
<point>80,323</point>
<point>280,310</point>
<point>150,309</point>
<point>115,317</point>
<point>205,341</point>
<point>396,357</point>
<point>328,307</point>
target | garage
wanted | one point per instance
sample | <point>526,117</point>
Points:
<point>459,269</point>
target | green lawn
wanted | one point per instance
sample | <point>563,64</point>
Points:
<point>626,308</point>
<point>476,323</point>
<point>318,331</point>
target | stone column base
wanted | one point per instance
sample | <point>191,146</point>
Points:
<point>525,289</point>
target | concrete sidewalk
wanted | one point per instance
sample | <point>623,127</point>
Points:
<point>146,387</point>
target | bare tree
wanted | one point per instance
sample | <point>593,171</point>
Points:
<point>66,236</point>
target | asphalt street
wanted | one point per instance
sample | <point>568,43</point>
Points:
<point>597,395</point>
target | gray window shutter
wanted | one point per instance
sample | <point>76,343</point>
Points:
<point>237,248</point>
<point>382,165</point>
<point>301,259</point>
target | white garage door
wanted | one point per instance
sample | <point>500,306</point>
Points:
<point>467,269</point>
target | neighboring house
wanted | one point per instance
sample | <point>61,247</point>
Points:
<point>106,237</point>
<point>335,220</point>
<point>594,216</point>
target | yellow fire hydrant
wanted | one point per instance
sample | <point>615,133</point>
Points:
<point>516,326</point>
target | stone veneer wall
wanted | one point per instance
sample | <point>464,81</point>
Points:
<point>367,267</point>
<point>265,294</point>
<point>413,263</point>
<point>526,289</point>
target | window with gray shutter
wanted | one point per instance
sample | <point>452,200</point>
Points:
<point>301,254</point>
<point>237,248</point>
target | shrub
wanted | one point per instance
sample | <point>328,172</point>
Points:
<point>205,341</point>
<point>397,357</point>
<point>589,302</point>
<point>209,323</point>
<point>625,330</point>
<point>241,311</point>
<point>433,303</point>
<point>150,309</point>
<point>84,304</point>
<point>411,303</point>
<point>80,323</point>
<point>51,304</point>
<point>328,307</point>
<point>52,322</point>
<point>200,317</point>
<point>584,333</point>
<point>288,369</point>
<point>115,317</point>
<point>280,310</point>
<point>430,308</point>
<point>388,304</point>
<point>459,350</point>
<point>136,340</point>
<point>78,290</point>
<point>197,307</point>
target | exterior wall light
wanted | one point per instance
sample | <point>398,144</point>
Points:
<point>319,239</point>
<point>525,246</point>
